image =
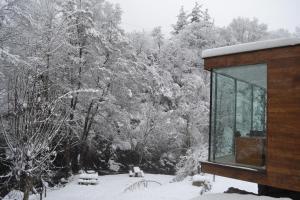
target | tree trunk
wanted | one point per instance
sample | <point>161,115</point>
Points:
<point>67,157</point>
<point>188,133</point>
<point>84,149</point>
<point>141,158</point>
<point>27,186</point>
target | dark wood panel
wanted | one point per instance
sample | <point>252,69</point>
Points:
<point>284,146</point>
<point>250,150</point>
<point>283,122</point>
<point>291,107</point>
<point>234,172</point>
<point>284,182</point>
<point>288,167</point>
<point>254,57</point>
<point>277,124</point>
<point>284,158</point>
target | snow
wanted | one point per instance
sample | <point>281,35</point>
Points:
<point>199,177</point>
<point>87,181</point>
<point>88,176</point>
<point>137,172</point>
<point>235,197</point>
<point>136,169</point>
<point>252,46</point>
<point>14,195</point>
<point>122,145</point>
<point>113,187</point>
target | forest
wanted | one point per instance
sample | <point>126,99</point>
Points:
<point>77,92</point>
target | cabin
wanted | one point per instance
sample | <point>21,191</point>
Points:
<point>255,113</point>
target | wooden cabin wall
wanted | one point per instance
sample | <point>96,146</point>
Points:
<point>283,117</point>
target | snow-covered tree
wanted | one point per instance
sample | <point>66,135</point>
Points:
<point>31,130</point>
<point>189,164</point>
<point>247,30</point>
<point>196,14</point>
<point>111,98</point>
<point>181,21</point>
<point>158,37</point>
<point>279,33</point>
<point>140,42</point>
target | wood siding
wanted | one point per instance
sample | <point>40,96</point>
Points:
<point>283,116</point>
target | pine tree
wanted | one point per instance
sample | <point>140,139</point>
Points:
<point>181,21</point>
<point>197,13</point>
<point>207,18</point>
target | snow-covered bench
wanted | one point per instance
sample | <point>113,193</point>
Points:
<point>88,178</point>
<point>136,172</point>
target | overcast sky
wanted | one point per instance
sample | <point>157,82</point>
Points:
<point>146,14</point>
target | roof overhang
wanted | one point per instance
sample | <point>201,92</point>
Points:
<point>248,47</point>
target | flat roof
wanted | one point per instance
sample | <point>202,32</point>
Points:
<point>252,46</point>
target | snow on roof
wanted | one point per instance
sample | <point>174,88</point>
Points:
<point>252,46</point>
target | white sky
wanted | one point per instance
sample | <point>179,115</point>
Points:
<point>146,14</point>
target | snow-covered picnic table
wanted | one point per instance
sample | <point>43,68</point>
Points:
<point>136,172</point>
<point>88,178</point>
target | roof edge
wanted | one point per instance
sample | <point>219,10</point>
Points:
<point>248,47</point>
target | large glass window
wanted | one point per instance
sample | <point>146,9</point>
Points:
<point>238,115</point>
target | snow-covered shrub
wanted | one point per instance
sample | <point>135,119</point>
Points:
<point>114,166</point>
<point>168,163</point>
<point>189,164</point>
<point>205,187</point>
<point>32,131</point>
<point>14,195</point>
<point>63,180</point>
<point>203,182</point>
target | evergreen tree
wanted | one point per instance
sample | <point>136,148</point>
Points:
<point>181,21</point>
<point>207,18</point>
<point>197,13</point>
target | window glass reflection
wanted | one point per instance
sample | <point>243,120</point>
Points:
<point>238,115</point>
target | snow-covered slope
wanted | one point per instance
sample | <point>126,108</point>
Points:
<point>113,187</point>
<point>252,46</point>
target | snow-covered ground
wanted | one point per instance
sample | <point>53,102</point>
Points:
<point>113,187</point>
